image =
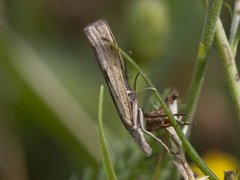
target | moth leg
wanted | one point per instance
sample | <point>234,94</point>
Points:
<point>136,131</point>
<point>135,114</point>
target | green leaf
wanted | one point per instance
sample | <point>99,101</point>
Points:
<point>107,163</point>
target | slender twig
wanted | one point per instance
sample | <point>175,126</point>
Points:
<point>186,145</point>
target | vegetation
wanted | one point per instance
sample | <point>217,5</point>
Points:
<point>49,87</point>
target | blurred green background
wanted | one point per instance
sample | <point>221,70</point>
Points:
<point>49,84</point>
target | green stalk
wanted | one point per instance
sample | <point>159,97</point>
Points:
<point>107,162</point>
<point>213,11</point>
<point>227,56</point>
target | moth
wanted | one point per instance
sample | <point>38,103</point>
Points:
<point>112,66</point>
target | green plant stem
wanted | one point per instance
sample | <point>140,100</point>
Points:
<point>227,50</point>
<point>230,68</point>
<point>107,163</point>
<point>186,145</point>
<point>233,40</point>
<point>212,14</point>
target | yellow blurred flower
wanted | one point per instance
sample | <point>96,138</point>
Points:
<point>219,162</point>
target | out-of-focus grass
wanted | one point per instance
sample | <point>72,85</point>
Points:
<point>74,123</point>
